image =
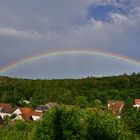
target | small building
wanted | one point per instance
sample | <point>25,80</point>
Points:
<point>116,107</point>
<point>137,103</point>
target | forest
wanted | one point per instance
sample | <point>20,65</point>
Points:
<point>77,123</point>
<point>124,87</point>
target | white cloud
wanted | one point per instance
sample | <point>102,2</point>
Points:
<point>20,34</point>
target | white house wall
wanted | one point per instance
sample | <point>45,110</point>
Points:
<point>4,114</point>
<point>36,118</point>
<point>17,112</point>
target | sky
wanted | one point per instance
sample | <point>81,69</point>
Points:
<point>33,31</point>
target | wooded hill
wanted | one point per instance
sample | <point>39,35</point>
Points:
<point>76,123</point>
<point>124,87</point>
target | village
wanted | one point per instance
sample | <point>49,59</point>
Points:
<point>7,112</point>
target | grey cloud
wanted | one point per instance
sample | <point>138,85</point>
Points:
<point>31,27</point>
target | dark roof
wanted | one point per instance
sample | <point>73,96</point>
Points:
<point>42,107</point>
<point>13,109</point>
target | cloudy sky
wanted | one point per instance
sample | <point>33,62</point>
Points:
<point>29,28</point>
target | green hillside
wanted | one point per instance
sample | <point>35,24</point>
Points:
<point>87,119</point>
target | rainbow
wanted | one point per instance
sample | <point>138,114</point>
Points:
<point>68,51</point>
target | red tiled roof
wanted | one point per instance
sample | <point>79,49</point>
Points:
<point>27,113</point>
<point>37,113</point>
<point>25,110</point>
<point>5,106</point>
<point>115,106</point>
<point>137,101</point>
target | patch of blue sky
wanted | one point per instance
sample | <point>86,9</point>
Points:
<point>102,12</point>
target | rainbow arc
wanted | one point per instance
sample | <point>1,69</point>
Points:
<point>68,52</point>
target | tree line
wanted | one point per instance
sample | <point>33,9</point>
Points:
<point>67,91</point>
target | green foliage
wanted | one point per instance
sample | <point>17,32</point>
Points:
<point>102,125</point>
<point>66,97</point>
<point>131,117</point>
<point>79,124</point>
<point>69,124</point>
<point>81,101</point>
<point>19,131</point>
<point>66,123</point>
<point>98,103</point>
<point>6,120</point>
<point>49,128</point>
<point>123,87</point>
<point>74,124</point>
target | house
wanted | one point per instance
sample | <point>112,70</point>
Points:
<point>116,107</point>
<point>137,103</point>
<point>26,114</point>
<point>5,110</point>
<point>18,112</point>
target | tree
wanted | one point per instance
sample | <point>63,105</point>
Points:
<point>50,128</point>
<point>81,101</point>
<point>74,124</point>
<point>131,117</point>
<point>103,126</point>
<point>6,120</point>
<point>98,103</point>
<point>66,98</point>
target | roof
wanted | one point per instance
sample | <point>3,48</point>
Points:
<point>37,113</point>
<point>137,101</point>
<point>27,113</point>
<point>4,107</point>
<point>46,107</point>
<point>115,106</point>
<point>42,107</point>
<point>13,109</point>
